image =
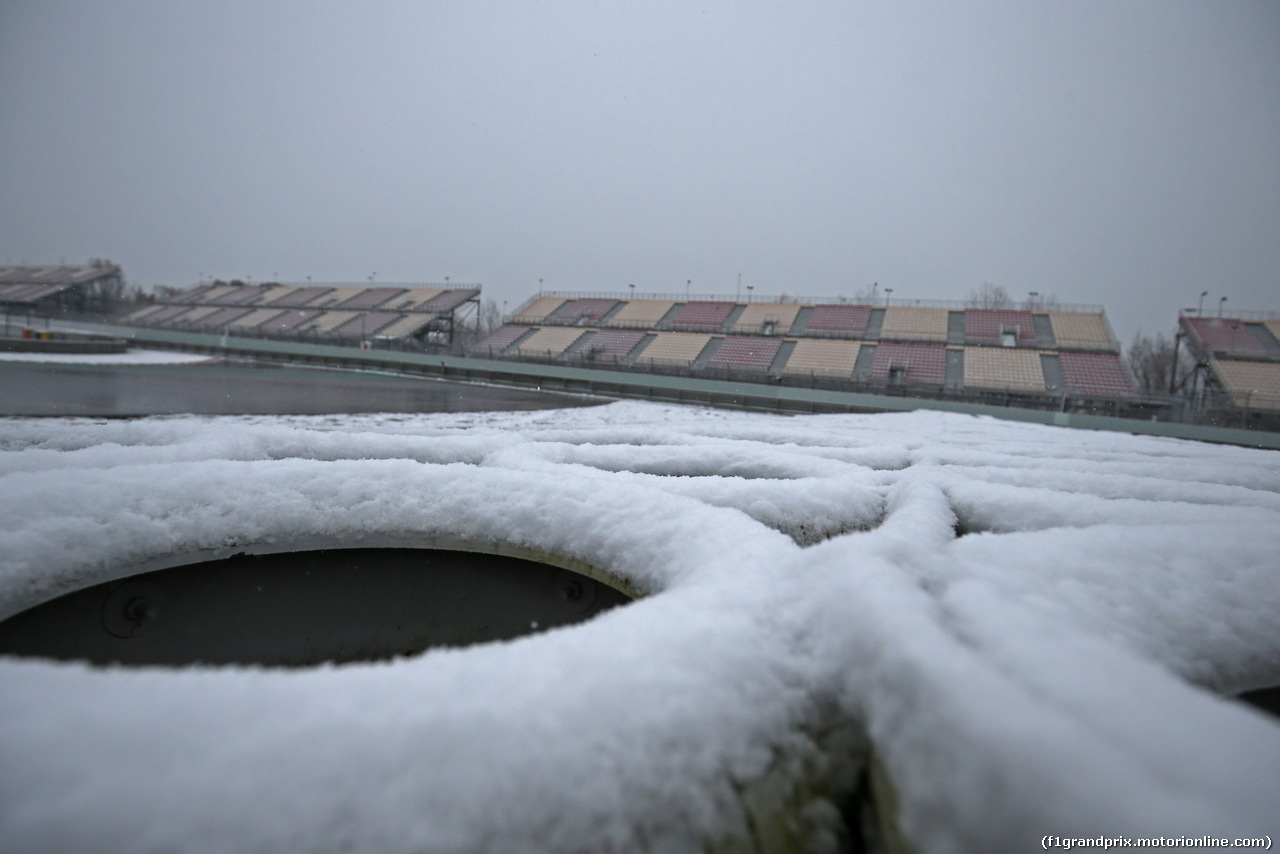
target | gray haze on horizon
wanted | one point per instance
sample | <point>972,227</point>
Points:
<point>1118,153</point>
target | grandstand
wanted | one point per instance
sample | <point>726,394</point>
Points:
<point>95,287</point>
<point>1028,355</point>
<point>396,315</point>
<point>1238,358</point>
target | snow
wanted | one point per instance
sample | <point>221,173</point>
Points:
<point>128,357</point>
<point>1058,669</point>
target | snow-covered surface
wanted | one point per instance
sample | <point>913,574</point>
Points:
<point>1053,671</point>
<point>129,357</point>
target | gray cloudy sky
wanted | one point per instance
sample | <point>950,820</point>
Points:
<point>1116,152</point>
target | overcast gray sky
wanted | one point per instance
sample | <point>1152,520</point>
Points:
<point>1121,153</point>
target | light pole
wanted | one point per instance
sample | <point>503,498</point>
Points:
<point>1031,299</point>
<point>888,294</point>
<point>1200,306</point>
<point>1220,302</point>
<point>633,290</point>
<point>750,288</point>
<point>687,283</point>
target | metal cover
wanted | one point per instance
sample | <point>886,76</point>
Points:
<point>306,608</point>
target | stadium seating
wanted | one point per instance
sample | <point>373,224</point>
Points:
<point>1252,384</point>
<point>341,313</point>
<point>752,354</point>
<point>407,325</point>
<point>1074,330</point>
<point>298,297</point>
<point>1227,337</point>
<point>999,368</point>
<point>914,323</point>
<point>192,314</point>
<point>674,348</point>
<point>843,321</point>
<point>330,320</point>
<point>641,314</point>
<point>370,298</point>
<point>704,316</point>
<point>550,341</point>
<point>953,349</point>
<point>999,327</point>
<point>289,321</point>
<point>539,310</point>
<point>367,324</point>
<point>610,344</point>
<point>823,357</point>
<point>583,311</point>
<point>1095,374</point>
<point>220,318</point>
<point>909,364</point>
<point>501,338</point>
<point>255,318</point>
<point>767,318</point>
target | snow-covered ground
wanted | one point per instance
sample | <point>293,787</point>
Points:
<point>131,356</point>
<point>1055,670</point>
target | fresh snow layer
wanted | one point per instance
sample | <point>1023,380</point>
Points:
<point>1058,669</point>
<point>129,357</point>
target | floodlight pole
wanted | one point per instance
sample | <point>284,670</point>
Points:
<point>1220,302</point>
<point>1200,307</point>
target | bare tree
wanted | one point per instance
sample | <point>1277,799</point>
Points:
<point>489,317</point>
<point>1151,360</point>
<point>989,296</point>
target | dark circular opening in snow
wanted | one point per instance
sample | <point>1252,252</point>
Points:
<point>308,607</point>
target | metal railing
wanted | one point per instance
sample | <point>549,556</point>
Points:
<point>787,299</point>
<point>1210,314</point>
<point>1209,406</point>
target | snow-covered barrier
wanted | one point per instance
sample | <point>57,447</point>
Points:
<point>1034,629</point>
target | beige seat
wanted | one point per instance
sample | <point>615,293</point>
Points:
<point>674,348</point>
<point>641,313</point>
<point>828,357</point>
<point>1077,330</point>
<point>914,323</point>
<point>1003,368</point>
